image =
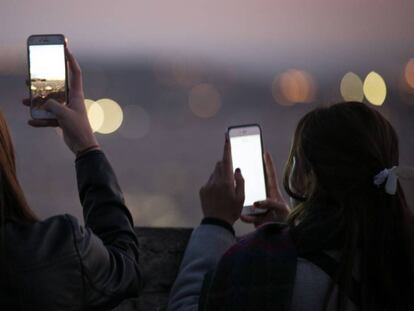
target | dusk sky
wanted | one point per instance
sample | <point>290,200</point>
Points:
<point>251,34</point>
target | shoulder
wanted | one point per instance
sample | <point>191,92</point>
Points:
<point>42,241</point>
<point>266,240</point>
<point>261,262</point>
<point>270,245</point>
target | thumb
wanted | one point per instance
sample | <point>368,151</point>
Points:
<point>239,185</point>
<point>55,107</point>
<point>270,204</point>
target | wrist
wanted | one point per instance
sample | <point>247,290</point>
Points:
<point>224,218</point>
<point>86,143</point>
<point>86,150</point>
<point>218,222</point>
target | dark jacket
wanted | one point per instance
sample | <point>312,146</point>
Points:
<point>57,264</point>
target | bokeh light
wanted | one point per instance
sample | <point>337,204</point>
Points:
<point>154,209</point>
<point>293,86</point>
<point>405,91</point>
<point>409,73</point>
<point>352,87</point>
<point>186,74</point>
<point>136,122</point>
<point>179,72</point>
<point>113,116</point>
<point>375,89</point>
<point>204,100</point>
<point>95,114</point>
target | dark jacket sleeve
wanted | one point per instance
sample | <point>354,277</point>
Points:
<point>107,245</point>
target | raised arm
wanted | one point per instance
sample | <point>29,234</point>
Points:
<point>107,246</point>
<point>222,200</point>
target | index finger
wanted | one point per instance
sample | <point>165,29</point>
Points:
<point>272,182</point>
<point>75,73</point>
<point>227,161</point>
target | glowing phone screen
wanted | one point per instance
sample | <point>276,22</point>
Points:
<point>246,152</point>
<point>47,73</point>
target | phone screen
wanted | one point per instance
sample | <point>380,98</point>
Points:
<point>47,73</point>
<point>246,152</point>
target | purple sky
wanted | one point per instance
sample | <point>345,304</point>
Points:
<point>253,34</point>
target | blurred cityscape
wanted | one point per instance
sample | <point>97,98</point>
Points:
<point>161,117</point>
<point>168,131</point>
<point>43,89</point>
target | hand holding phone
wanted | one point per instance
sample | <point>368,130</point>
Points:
<point>275,205</point>
<point>223,195</point>
<point>47,73</point>
<point>71,117</point>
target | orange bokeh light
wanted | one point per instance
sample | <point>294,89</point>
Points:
<point>293,86</point>
<point>204,100</point>
<point>409,73</point>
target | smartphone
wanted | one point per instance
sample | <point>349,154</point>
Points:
<point>247,154</point>
<point>47,72</point>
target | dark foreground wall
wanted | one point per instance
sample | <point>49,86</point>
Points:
<point>161,251</point>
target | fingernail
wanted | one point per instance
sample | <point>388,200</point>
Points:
<point>238,171</point>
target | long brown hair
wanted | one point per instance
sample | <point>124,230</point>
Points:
<point>336,153</point>
<point>13,204</point>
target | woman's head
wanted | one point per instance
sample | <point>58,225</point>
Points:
<point>13,205</point>
<point>335,155</point>
<point>338,150</point>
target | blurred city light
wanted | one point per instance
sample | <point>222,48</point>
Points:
<point>352,87</point>
<point>293,86</point>
<point>95,114</point>
<point>178,73</point>
<point>154,209</point>
<point>136,122</point>
<point>375,89</point>
<point>186,74</point>
<point>409,73</point>
<point>204,100</point>
<point>113,116</point>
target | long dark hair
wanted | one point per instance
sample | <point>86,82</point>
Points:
<point>13,204</point>
<point>336,152</point>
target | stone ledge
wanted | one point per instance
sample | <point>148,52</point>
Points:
<point>161,251</point>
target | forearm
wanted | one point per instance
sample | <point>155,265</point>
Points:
<point>207,244</point>
<point>103,204</point>
<point>108,247</point>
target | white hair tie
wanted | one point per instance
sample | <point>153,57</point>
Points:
<point>390,178</point>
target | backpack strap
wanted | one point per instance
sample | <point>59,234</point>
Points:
<point>330,266</point>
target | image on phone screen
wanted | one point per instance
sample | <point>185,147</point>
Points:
<point>47,73</point>
<point>247,154</point>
